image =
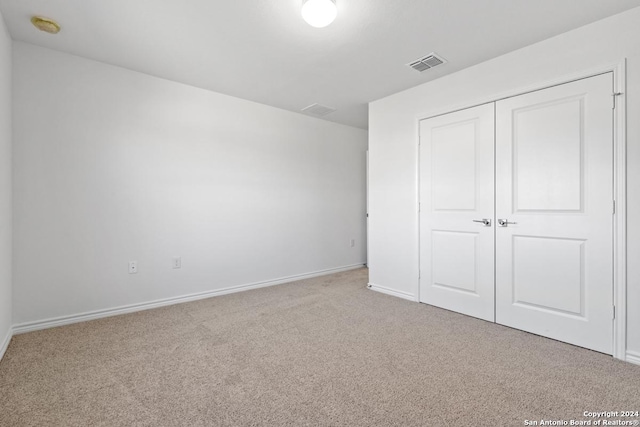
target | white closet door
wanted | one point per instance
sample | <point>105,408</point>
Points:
<point>554,171</point>
<point>456,189</point>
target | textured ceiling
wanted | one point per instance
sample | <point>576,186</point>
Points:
<point>263,51</point>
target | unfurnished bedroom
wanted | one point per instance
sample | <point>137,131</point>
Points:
<point>319,213</point>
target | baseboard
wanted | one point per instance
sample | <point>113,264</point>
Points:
<point>98,314</point>
<point>633,357</point>
<point>5,343</point>
<point>392,292</point>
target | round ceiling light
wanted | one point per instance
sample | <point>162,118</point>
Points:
<point>319,13</point>
<point>45,24</point>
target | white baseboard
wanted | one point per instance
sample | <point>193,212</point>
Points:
<point>98,314</point>
<point>5,343</point>
<point>392,292</point>
<point>633,357</point>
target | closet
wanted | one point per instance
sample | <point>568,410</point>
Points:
<point>516,212</point>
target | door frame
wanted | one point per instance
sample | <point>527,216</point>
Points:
<point>619,182</point>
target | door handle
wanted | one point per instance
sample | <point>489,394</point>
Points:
<point>504,222</point>
<point>485,221</point>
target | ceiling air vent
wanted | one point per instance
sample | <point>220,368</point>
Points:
<point>318,110</point>
<point>426,62</point>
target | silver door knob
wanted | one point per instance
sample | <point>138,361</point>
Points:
<point>485,221</point>
<point>504,222</point>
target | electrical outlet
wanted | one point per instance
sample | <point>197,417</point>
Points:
<point>352,242</point>
<point>177,262</point>
<point>133,267</point>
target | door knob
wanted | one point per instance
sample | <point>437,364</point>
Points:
<point>504,222</point>
<point>485,221</point>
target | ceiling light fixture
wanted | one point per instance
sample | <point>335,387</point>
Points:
<point>45,24</point>
<point>319,13</point>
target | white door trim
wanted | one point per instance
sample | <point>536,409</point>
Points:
<point>620,218</point>
<point>619,182</point>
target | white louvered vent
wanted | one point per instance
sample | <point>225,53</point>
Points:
<point>426,62</point>
<point>318,110</point>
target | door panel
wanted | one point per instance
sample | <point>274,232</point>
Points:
<point>453,155</point>
<point>547,170</point>
<point>456,188</point>
<point>454,259</point>
<point>554,171</point>
<point>559,286</point>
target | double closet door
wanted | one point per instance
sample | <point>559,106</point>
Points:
<point>516,212</point>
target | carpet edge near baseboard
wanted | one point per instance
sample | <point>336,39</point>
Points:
<point>5,343</point>
<point>632,357</point>
<point>392,292</point>
<point>132,308</point>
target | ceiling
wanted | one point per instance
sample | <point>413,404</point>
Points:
<point>263,51</point>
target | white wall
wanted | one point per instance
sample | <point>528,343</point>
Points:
<point>5,186</point>
<point>113,165</point>
<point>393,245</point>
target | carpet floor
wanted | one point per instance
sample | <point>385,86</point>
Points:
<point>320,352</point>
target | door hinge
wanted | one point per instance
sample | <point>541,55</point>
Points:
<point>419,207</point>
<point>614,311</point>
<point>419,274</point>
<point>615,94</point>
<point>614,207</point>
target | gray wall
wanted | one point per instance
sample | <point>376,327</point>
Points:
<point>113,165</point>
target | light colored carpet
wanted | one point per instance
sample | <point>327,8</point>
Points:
<point>324,351</point>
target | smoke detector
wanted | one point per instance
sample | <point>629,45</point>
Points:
<point>318,110</point>
<point>427,62</point>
